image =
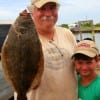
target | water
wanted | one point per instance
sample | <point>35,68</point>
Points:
<point>6,90</point>
<point>89,35</point>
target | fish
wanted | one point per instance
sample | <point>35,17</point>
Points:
<point>22,56</point>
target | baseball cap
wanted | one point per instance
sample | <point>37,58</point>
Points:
<point>86,47</point>
<point>40,3</point>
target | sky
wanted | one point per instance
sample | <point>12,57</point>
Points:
<point>70,11</point>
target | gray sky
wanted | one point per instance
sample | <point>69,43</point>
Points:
<point>70,10</point>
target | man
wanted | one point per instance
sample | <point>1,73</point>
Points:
<point>58,81</point>
<point>85,60</point>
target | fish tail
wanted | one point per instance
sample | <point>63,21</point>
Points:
<point>21,97</point>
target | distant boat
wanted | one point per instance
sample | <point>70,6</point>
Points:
<point>74,27</point>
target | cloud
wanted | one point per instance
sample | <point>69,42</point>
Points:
<point>9,9</point>
<point>73,11</point>
<point>70,11</point>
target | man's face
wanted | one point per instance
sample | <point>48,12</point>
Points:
<point>85,67</point>
<point>46,16</point>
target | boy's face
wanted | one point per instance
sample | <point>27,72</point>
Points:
<point>85,67</point>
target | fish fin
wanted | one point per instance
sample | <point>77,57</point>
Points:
<point>21,97</point>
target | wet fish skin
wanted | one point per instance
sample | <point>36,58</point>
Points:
<point>22,56</point>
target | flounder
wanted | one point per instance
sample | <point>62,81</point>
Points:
<point>22,56</point>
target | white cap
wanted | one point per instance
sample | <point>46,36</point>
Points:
<point>40,3</point>
<point>86,47</point>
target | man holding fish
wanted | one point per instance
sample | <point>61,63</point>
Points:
<point>58,81</point>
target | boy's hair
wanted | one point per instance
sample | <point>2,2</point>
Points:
<point>88,39</point>
<point>80,56</point>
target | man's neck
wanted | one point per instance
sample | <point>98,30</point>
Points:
<point>49,34</point>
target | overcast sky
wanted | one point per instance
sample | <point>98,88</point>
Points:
<point>70,11</point>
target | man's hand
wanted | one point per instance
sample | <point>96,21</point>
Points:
<point>24,13</point>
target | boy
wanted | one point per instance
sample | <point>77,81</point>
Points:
<point>85,59</point>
